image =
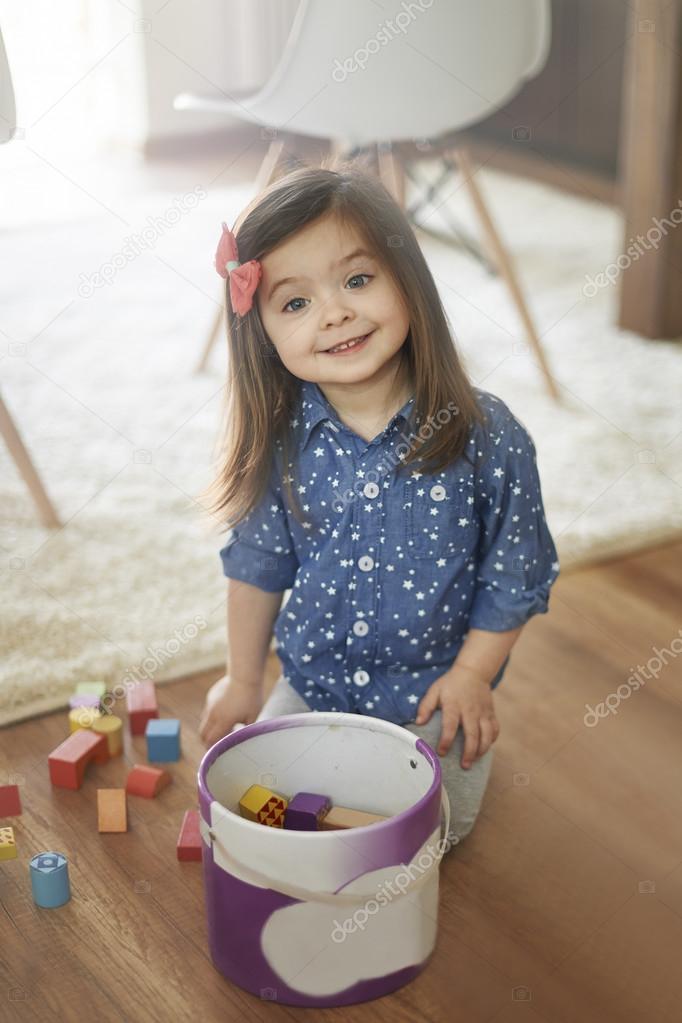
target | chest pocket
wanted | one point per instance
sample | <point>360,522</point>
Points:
<point>440,519</point>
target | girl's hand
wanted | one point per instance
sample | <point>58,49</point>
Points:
<point>465,696</point>
<point>229,702</point>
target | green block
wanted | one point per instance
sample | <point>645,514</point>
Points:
<point>93,688</point>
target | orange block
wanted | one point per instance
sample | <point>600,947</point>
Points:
<point>68,761</point>
<point>111,810</point>
<point>147,781</point>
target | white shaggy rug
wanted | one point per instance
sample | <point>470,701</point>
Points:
<point>123,433</point>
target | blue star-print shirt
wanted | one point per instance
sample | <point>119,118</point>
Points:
<point>394,570</point>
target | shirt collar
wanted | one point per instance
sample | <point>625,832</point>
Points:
<point>314,407</point>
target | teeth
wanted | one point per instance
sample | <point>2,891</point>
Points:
<point>347,344</point>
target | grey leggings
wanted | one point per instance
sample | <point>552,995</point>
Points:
<point>465,787</point>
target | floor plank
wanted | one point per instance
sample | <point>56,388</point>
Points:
<point>566,896</point>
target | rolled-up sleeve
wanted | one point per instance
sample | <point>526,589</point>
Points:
<point>517,560</point>
<point>259,549</point>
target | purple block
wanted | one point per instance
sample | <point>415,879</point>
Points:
<point>84,700</point>
<point>304,811</point>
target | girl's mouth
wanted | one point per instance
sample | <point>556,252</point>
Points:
<point>353,346</point>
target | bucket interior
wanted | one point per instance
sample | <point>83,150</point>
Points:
<point>366,765</point>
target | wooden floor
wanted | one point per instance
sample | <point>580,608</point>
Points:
<point>567,895</point>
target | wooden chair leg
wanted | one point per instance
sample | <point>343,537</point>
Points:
<point>22,459</point>
<point>504,262</point>
<point>392,172</point>
<point>210,340</point>
<point>266,174</point>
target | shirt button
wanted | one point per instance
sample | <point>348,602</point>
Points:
<point>370,490</point>
<point>365,563</point>
<point>360,677</point>
<point>437,492</point>
<point>360,628</point>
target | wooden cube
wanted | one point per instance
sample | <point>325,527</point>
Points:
<point>305,811</point>
<point>147,781</point>
<point>189,840</point>
<point>10,803</point>
<point>263,806</point>
<point>8,847</point>
<point>92,688</point>
<point>111,810</point>
<point>68,761</point>
<point>163,739</point>
<point>142,706</point>
<point>340,817</point>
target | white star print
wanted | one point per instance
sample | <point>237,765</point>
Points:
<point>452,554</point>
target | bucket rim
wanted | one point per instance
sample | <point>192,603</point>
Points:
<point>308,719</point>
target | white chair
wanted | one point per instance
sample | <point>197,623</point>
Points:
<point>365,75</point>
<point>8,430</point>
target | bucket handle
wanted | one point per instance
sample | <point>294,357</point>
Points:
<point>307,894</point>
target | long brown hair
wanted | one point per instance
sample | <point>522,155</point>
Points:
<point>262,394</point>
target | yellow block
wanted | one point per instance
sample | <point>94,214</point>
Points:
<point>112,727</point>
<point>82,717</point>
<point>263,806</point>
<point>8,847</point>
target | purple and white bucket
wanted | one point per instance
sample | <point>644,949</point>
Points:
<point>323,918</point>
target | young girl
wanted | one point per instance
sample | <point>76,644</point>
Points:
<point>363,472</point>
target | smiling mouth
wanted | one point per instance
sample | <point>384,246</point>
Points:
<point>348,346</point>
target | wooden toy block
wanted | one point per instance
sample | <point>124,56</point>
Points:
<point>110,726</point>
<point>68,761</point>
<point>50,879</point>
<point>84,700</point>
<point>82,717</point>
<point>340,817</point>
<point>8,847</point>
<point>189,840</point>
<point>146,781</point>
<point>305,811</point>
<point>92,688</point>
<point>111,810</point>
<point>142,706</point>
<point>10,802</point>
<point>163,739</point>
<point>263,806</point>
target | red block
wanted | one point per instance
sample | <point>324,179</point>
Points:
<point>10,803</point>
<point>189,840</point>
<point>146,781</point>
<point>142,706</point>
<point>68,761</point>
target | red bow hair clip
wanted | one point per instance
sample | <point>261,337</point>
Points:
<point>244,277</point>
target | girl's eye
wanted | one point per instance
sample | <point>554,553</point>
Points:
<point>284,310</point>
<point>355,277</point>
<point>298,299</point>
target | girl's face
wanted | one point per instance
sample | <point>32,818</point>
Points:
<point>333,294</point>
